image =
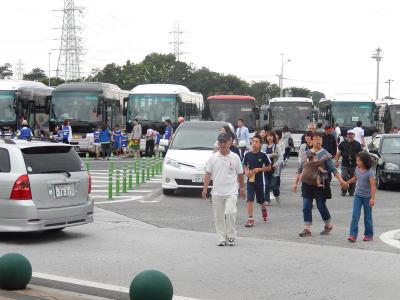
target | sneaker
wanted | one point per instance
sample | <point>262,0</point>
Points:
<point>221,243</point>
<point>343,194</point>
<point>265,215</point>
<point>278,200</point>
<point>368,238</point>
<point>249,223</point>
<point>327,230</point>
<point>231,241</point>
<point>305,233</point>
<point>352,239</point>
<point>351,195</point>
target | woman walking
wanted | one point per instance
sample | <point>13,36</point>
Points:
<point>66,132</point>
<point>286,137</point>
<point>274,152</point>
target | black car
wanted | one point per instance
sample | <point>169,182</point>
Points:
<point>385,149</point>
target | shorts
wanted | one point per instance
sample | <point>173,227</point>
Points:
<point>257,190</point>
<point>135,144</point>
<point>96,148</point>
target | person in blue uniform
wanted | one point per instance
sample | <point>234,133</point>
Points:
<point>96,142</point>
<point>25,132</point>
<point>124,142</point>
<point>66,132</point>
<point>105,141</point>
<point>117,134</point>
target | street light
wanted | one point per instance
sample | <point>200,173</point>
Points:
<point>281,75</point>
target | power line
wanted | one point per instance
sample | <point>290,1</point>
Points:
<point>70,43</point>
<point>177,40</point>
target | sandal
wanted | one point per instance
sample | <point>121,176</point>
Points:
<point>305,233</point>
<point>327,230</point>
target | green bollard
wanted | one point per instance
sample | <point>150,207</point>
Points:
<point>143,176</point>
<point>117,183</point>
<point>130,185</point>
<point>147,170</point>
<point>87,164</point>
<point>137,179</point>
<point>152,169</point>
<point>136,165</point>
<point>124,181</point>
<point>110,185</point>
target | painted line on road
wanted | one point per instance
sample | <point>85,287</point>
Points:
<point>389,238</point>
<point>129,191</point>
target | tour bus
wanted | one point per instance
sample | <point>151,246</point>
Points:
<point>388,111</point>
<point>86,105</point>
<point>27,99</point>
<point>346,110</point>
<point>152,104</point>
<point>294,112</point>
<point>230,108</point>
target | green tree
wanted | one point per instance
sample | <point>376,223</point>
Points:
<point>6,71</point>
<point>36,74</point>
<point>263,91</point>
<point>317,96</point>
<point>297,92</point>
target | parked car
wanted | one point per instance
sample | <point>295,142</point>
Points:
<point>43,186</point>
<point>385,149</point>
<point>185,162</point>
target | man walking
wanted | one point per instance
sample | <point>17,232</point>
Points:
<point>135,137</point>
<point>242,134</point>
<point>329,141</point>
<point>226,171</point>
<point>348,150</point>
<point>359,134</point>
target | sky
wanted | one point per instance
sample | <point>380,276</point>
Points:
<point>329,43</point>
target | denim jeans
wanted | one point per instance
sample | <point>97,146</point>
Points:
<point>359,202</point>
<point>271,184</point>
<point>322,208</point>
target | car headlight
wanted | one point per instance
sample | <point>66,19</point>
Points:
<point>172,163</point>
<point>391,167</point>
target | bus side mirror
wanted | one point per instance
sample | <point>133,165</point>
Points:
<point>126,101</point>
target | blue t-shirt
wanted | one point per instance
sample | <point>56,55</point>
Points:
<point>168,133</point>
<point>65,131</point>
<point>25,133</point>
<point>124,140</point>
<point>96,136</point>
<point>363,187</point>
<point>117,135</point>
<point>256,160</point>
<point>104,136</point>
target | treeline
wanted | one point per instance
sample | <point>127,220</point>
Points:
<point>164,68</point>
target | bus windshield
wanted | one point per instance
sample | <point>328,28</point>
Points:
<point>7,113</point>
<point>295,115</point>
<point>395,115</point>
<point>151,107</point>
<point>75,106</point>
<point>232,110</point>
<point>349,113</point>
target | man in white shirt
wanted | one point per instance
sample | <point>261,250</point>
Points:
<point>242,134</point>
<point>359,133</point>
<point>226,171</point>
<point>338,133</point>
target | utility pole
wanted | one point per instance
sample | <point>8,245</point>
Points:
<point>70,43</point>
<point>20,69</point>
<point>281,75</point>
<point>378,57</point>
<point>389,81</point>
<point>177,40</point>
<point>49,68</point>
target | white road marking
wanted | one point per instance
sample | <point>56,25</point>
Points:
<point>389,238</point>
<point>129,191</point>
<point>93,284</point>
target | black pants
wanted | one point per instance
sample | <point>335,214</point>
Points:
<point>106,149</point>
<point>286,155</point>
<point>149,148</point>
<point>347,173</point>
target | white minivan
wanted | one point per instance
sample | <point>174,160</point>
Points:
<point>185,162</point>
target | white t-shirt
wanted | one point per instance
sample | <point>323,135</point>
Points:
<point>224,170</point>
<point>358,134</point>
<point>338,131</point>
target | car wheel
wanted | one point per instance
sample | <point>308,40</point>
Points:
<point>379,184</point>
<point>167,192</point>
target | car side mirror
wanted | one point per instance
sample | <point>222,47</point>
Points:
<point>372,149</point>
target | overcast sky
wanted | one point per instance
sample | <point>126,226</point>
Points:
<point>330,43</point>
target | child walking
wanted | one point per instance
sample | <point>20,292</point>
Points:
<point>255,164</point>
<point>364,197</point>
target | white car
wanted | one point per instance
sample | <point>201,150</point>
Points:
<point>185,162</point>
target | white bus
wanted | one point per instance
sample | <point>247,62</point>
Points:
<point>294,112</point>
<point>388,111</point>
<point>155,103</point>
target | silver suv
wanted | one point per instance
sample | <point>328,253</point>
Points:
<point>43,186</point>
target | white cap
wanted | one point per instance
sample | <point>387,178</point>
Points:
<point>351,131</point>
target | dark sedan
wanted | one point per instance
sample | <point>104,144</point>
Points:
<point>385,149</point>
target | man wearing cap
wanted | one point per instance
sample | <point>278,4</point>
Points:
<point>329,141</point>
<point>226,171</point>
<point>25,132</point>
<point>348,150</point>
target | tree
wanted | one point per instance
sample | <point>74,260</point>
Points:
<point>6,71</point>
<point>317,96</point>
<point>297,92</point>
<point>263,91</point>
<point>36,74</point>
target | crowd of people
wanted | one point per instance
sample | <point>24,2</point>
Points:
<point>261,163</point>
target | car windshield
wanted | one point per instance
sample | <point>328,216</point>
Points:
<point>76,106</point>
<point>151,107</point>
<point>349,113</point>
<point>232,110</point>
<point>391,145</point>
<point>195,138</point>
<point>7,113</point>
<point>295,115</point>
<point>50,159</point>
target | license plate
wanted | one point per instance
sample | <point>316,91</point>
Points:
<point>64,190</point>
<point>198,178</point>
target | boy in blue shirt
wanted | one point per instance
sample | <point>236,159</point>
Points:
<point>117,134</point>
<point>96,142</point>
<point>124,142</point>
<point>25,132</point>
<point>255,164</point>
